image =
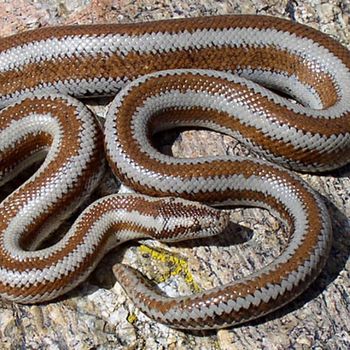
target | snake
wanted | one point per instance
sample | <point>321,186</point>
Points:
<point>280,88</point>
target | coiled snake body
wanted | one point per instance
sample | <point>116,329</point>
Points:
<point>204,72</point>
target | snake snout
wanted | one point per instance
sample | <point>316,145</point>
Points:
<point>190,220</point>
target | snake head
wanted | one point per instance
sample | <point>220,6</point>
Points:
<point>182,219</point>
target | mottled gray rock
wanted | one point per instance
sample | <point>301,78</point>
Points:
<point>98,314</point>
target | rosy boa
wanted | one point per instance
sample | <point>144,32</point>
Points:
<point>223,67</point>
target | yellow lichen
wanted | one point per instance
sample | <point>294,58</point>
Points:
<point>178,266</point>
<point>132,318</point>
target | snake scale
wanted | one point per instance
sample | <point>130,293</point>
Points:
<point>220,73</point>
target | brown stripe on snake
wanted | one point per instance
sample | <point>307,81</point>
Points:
<point>208,320</point>
<point>15,156</point>
<point>220,23</point>
<point>194,116</point>
<point>71,131</point>
<point>213,181</point>
<point>218,120</point>
<point>112,235</point>
<point>160,308</point>
<point>134,65</point>
<point>234,90</point>
<point>177,26</point>
<point>99,60</point>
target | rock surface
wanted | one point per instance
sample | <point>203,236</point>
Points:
<point>98,315</point>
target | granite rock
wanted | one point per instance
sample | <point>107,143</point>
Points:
<point>98,314</point>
